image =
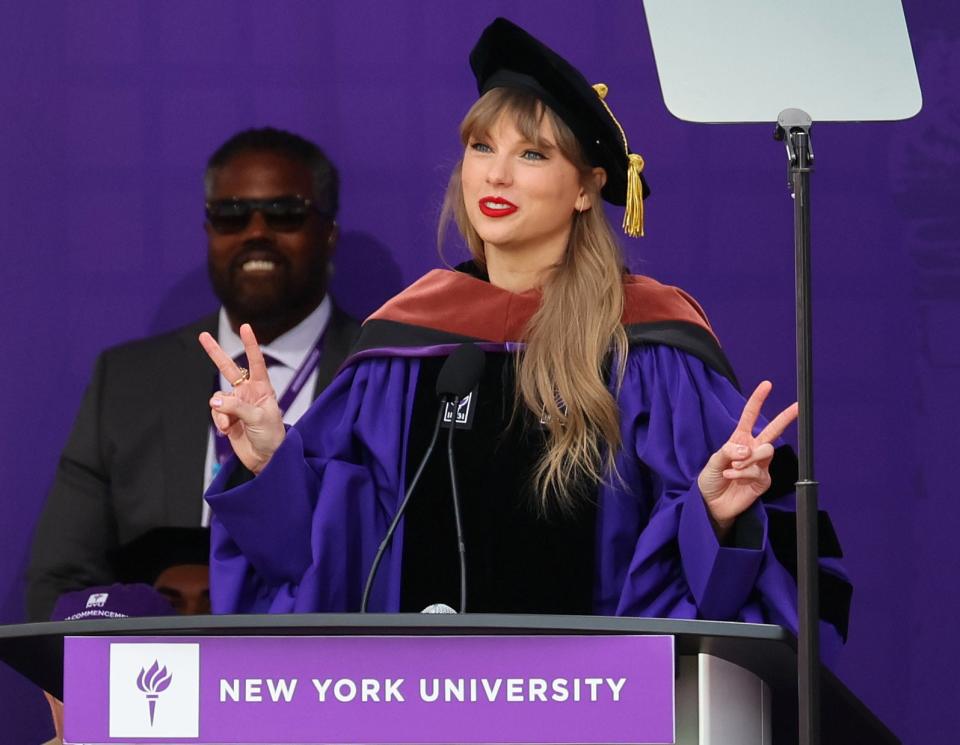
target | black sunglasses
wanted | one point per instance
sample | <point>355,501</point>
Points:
<point>283,214</point>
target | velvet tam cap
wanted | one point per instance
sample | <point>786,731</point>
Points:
<point>507,56</point>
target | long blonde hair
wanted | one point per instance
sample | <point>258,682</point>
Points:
<point>561,372</point>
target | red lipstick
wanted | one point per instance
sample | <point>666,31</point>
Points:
<point>497,207</point>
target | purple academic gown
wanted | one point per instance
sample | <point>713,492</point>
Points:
<point>301,537</point>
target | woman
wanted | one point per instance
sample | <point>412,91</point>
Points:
<point>612,466</point>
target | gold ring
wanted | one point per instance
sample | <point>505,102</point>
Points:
<point>244,375</point>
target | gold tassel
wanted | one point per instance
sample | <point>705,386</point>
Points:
<point>633,217</point>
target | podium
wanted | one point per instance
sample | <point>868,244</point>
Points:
<point>392,678</point>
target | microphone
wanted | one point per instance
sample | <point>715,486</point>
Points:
<point>459,374</point>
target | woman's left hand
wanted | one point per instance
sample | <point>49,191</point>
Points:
<point>739,472</point>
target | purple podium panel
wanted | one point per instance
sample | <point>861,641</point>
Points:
<point>369,689</point>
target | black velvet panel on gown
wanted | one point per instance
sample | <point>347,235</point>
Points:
<point>518,561</point>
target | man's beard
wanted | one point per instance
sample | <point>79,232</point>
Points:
<point>261,298</point>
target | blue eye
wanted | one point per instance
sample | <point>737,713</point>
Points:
<point>481,147</point>
<point>533,155</point>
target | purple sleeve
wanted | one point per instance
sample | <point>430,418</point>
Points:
<point>675,412</point>
<point>300,536</point>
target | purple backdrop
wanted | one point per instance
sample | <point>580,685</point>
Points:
<point>110,108</point>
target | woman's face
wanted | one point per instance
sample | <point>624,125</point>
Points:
<point>520,196</point>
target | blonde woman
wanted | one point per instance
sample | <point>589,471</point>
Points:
<point>611,465</point>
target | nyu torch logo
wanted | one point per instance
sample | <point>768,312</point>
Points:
<point>167,674</point>
<point>462,418</point>
<point>152,682</point>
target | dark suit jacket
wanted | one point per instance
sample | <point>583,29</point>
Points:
<point>135,458</point>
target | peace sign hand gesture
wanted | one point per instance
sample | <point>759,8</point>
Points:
<point>249,414</point>
<point>739,472</point>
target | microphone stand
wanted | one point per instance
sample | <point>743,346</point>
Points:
<point>461,546</point>
<point>793,128</point>
<point>368,588</point>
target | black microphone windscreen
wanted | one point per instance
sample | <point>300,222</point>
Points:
<point>461,372</point>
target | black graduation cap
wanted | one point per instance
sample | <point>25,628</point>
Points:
<point>146,557</point>
<point>507,56</point>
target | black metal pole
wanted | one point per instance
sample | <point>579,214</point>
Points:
<point>793,126</point>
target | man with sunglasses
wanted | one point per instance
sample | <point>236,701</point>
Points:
<point>135,462</point>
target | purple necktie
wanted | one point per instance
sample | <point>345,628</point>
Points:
<point>242,361</point>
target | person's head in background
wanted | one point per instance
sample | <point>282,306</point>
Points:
<point>110,601</point>
<point>271,207</point>
<point>174,561</point>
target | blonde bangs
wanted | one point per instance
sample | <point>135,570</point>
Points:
<point>526,112</point>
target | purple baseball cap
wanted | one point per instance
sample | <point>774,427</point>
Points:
<point>111,601</point>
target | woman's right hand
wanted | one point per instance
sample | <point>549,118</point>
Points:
<point>249,414</point>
